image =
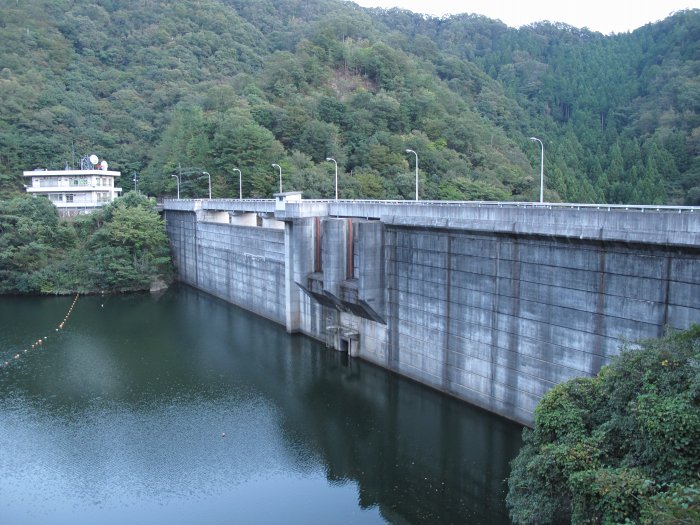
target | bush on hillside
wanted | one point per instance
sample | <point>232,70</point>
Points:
<point>622,447</point>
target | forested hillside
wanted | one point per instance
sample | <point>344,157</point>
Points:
<point>162,88</point>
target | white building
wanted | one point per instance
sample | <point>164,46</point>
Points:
<point>75,191</point>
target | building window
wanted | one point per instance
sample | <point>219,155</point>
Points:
<point>69,197</point>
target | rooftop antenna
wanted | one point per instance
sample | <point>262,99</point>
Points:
<point>88,162</point>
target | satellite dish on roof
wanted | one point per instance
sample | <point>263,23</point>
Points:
<point>93,159</point>
<point>104,165</point>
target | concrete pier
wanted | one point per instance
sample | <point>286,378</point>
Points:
<point>493,303</point>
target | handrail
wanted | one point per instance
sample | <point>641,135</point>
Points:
<point>470,204</point>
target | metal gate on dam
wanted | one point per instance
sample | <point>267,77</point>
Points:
<point>493,303</point>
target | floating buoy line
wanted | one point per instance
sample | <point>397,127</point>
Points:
<point>40,342</point>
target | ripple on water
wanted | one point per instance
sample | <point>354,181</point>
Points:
<point>189,411</point>
<point>115,455</point>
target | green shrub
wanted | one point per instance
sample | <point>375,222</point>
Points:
<point>623,447</point>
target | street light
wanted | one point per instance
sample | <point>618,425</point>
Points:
<point>280,168</point>
<point>209,176</point>
<point>240,183</point>
<point>416,154</point>
<point>178,185</point>
<point>331,159</point>
<point>541,169</point>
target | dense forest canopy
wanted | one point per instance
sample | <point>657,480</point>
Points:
<point>163,88</point>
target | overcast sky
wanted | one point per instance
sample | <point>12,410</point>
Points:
<point>606,16</point>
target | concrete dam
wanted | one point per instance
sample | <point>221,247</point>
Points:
<point>493,303</point>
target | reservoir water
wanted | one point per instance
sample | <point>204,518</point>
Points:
<point>182,409</point>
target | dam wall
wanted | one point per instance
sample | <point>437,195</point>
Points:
<point>243,265</point>
<point>493,304</point>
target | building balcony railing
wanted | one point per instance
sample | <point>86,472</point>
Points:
<point>43,188</point>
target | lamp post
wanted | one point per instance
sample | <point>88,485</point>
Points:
<point>280,168</point>
<point>240,183</point>
<point>416,154</point>
<point>178,185</point>
<point>541,169</point>
<point>209,177</point>
<point>331,159</point>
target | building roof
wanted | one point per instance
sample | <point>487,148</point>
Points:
<point>52,173</point>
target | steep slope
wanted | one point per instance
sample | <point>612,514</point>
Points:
<point>159,88</point>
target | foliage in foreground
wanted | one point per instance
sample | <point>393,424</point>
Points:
<point>122,247</point>
<point>623,447</point>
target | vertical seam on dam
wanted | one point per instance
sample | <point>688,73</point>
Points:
<point>197,251</point>
<point>599,310</point>
<point>393,302</point>
<point>667,294</point>
<point>494,317</point>
<point>513,377</point>
<point>446,383</point>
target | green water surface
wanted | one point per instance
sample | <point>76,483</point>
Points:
<point>182,409</point>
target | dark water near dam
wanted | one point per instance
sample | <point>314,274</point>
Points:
<point>182,409</point>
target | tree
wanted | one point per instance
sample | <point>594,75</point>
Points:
<point>622,447</point>
<point>150,85</point>
<point>122,247</point>
<point>240,142</point>
<point>30,237</point>
<point>317,139</point>
<point>369,184</point>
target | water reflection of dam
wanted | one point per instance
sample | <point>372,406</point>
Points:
<point>413,455</point>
